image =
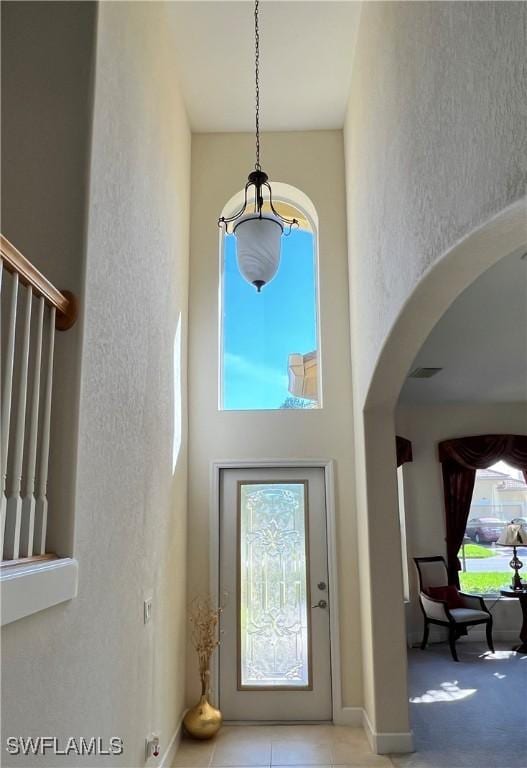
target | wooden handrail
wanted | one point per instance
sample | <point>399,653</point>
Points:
<point>65,302</point>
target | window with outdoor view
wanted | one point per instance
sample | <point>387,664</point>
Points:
<point>500,496</point>
<point>269,350</point>
<point>402,529</point>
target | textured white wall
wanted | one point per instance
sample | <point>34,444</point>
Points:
<point>90,667</point>
<point>312,162</point>
<point>426,426</point>
<point>435,145</point>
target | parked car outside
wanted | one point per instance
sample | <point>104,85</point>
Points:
<point>484,529</point>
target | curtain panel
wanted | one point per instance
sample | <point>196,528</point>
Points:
<point>460,458</point>
<point>404,450</point>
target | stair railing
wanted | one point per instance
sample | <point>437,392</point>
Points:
<point>31,309</point>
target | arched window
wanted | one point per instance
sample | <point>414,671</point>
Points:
<point>269,341</point>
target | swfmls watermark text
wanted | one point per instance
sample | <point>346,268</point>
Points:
<point>74,745</point>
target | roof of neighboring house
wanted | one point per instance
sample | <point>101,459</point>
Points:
<point>491,474</point>
<point>303,375</point>
<point>511,484</point>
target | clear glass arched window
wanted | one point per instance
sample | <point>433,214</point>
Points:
<point>269,341</point>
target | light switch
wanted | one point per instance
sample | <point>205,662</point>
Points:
<point>148,610</point>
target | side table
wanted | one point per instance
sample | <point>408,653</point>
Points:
<point>521,594</point>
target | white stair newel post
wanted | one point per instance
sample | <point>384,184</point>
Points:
<point>14,498</point>
<point>7,385</point>
<point>41,508</point>
<point>28,501</point>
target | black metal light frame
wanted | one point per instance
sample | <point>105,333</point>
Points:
<point>260,181</point>
<point>257,178</point>
<point>516,564</point>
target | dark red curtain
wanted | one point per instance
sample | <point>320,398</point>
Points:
<point>404,450</point>
<point>460,459</point>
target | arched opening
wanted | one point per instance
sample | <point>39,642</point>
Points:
<point>269,340</point>
<point>439,287</point>
<point>505,234</point>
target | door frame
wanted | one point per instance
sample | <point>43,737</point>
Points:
<point>327,465</point>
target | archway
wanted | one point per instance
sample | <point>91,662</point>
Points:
<point>439,287</point>
<point>385,694</point>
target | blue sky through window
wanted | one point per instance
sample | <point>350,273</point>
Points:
<point>260,330</point>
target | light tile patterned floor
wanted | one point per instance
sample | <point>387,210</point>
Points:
<point>281,745</point>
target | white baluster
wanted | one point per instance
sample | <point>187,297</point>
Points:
<point>14,497</point>
<point>7,385</point>
<point>41,508</point>
<point>28,502</point>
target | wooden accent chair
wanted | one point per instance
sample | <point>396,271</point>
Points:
<point>432,572</point>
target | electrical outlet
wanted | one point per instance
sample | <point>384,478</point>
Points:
<point>148,610</point>
<point>152,748</point>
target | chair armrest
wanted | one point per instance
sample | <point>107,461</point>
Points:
<point>474,601</point>
<point>434,609</point>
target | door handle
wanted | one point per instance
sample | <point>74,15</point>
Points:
<point>320,604</point>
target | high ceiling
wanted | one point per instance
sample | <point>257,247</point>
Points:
<point>306,53</point>
<point>480,342</point>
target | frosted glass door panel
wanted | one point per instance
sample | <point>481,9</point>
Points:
<point>275,652</point>
<point>273,586</point>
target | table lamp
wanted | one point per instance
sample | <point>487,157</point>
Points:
<point>514,535</point>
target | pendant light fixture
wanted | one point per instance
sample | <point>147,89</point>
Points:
<point>258,233</point>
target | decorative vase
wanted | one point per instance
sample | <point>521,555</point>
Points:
<point>203,721</point>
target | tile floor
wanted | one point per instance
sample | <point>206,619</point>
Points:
<point>483,695</point>
<point>281,745</point>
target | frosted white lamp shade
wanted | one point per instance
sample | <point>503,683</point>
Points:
<point>258,242</point>
<point>513,535</point>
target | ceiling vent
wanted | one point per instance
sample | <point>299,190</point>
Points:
<point>424,373</point>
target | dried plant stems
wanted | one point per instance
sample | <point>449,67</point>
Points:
<point>204,621</point>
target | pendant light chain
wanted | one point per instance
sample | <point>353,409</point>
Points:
<point>257,165</point>
<point>258,232</point>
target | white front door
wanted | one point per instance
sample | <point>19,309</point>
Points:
<point>274,656</point>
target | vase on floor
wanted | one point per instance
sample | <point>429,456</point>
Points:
<point>203,721</point>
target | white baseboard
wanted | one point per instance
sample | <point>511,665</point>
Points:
<point>170,752</point>
<point>351,716</point>
<point>387,743</point>
<point>503,635</point>
<point>475,635</point>
<point>380,743</point>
